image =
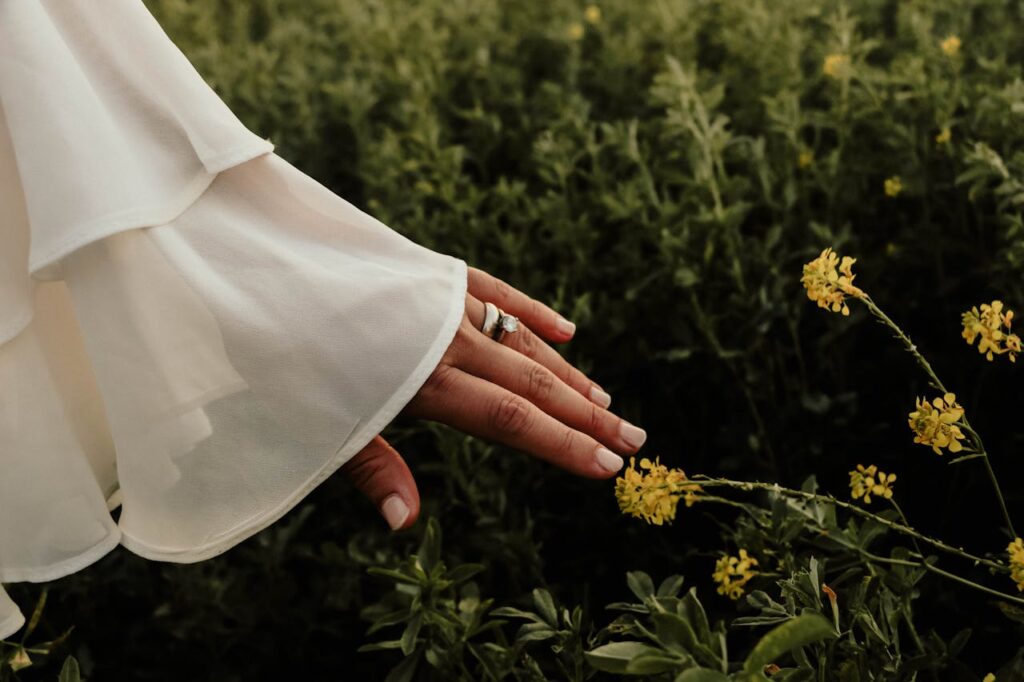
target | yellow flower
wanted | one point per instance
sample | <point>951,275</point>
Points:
<point>989,678</point>
<point>654,495</point>
<point>592,14</point>
<point>733,572</point>
<point>575,31</point>
<point>988,323</point>
<point>835,65</point>
<point>951,45</point>
<point>944,136</point>
<point>805,159</point>
<point>934,423</point>
<point>868,481</point>
<point>827,285</point>
<point>1016,552</point>
<point>893,186</point>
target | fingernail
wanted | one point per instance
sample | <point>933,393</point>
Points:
<point>633,435</point>
<point>600,397</point>
<point>608,460</point>
<point>565,326</point>
<point>395,511</point>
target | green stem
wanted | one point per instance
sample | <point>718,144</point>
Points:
<point>923,563</point>
<point>979,446</point>
<point>707,481</point>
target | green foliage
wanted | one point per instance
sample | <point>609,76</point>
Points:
<point>660,181</point>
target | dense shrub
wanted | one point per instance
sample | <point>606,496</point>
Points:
<point>659,172</point>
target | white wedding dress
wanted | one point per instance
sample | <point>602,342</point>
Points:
<point>190,327</point>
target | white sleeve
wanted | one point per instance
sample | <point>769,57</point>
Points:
<point>190,327</point>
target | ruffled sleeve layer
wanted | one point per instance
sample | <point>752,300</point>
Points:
<point>190,327</point>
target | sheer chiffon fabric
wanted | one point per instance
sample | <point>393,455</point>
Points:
<point>190,327</point>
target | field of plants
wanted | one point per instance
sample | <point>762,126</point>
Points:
<point>791,234</point>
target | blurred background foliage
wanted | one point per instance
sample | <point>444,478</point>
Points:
<point>657,172</point>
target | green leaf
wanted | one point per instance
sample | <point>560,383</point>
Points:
<point>404,671</point>
<point>464,572</point>
<point>800,631</point>
<point>674,632</point>
<point>545,606</point>
<point>614,657</point>
<point>677,635</point>
<point>37,614</point>
<point>70,672</point>
<point>429,553</point>
<point>538,634</point>
<point>670,586</point>
<point>653,664</point>
<point>380,646</point>
<point>397,576</point>
<point>412,631</point>
<point>640,584</point>
<point>701,675</point>
<point>513,612</point>
<point>387,620</point>
<point>693,611</point>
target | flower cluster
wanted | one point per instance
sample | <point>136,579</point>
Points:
<point>988,324</point>
<point>934,423</point>
<point>732,573</point>
<point>835,65</point>
<point>654,495</point>
<point>805,159</point>
<point>893,186</point>
<point>944,136</point>
<point>829,285</point>
<point>951,45</point>
<point>1016,551</point>
<point>592,14</point>
<point>868,481</point>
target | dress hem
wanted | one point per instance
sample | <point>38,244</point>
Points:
<point>150,216</point>
<point>66,567</point>
<point>353,444</point>
<point>11,625</point>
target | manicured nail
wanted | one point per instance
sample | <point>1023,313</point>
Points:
<point>565,326</point>
<point>608,460</point>
<point>395,511</point>
<point>599,397</point>
<point>633,435</point>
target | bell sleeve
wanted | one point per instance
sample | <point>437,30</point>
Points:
<point>190,327</point>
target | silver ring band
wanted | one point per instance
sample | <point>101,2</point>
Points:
<point>491,316</point>
<point>497,323</point>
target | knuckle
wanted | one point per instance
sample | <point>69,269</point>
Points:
<point>501,289</point>
<point>364,469</point>
<point>440,380</point>
<point>595,418</point>
<point>576,378</point>
<point>527,342</point>
<point>540,383</point>
<point>537,310</point>
<point>567,441</point>
<point>511,415</point>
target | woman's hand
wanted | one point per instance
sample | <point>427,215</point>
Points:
<point>518,391</point>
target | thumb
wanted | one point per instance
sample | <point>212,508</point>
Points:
<point>381,474</point>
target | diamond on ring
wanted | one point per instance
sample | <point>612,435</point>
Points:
<point>506,323</point>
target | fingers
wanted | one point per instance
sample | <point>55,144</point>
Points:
<point>542,319</point>
<point>381,474</point>
<point>538,384</point>
<point>533,347</point>
<point>481,408</point>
